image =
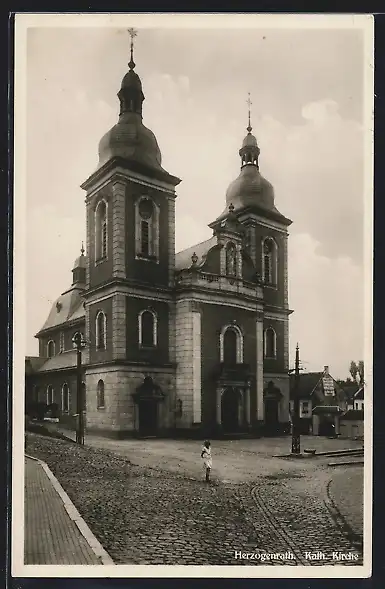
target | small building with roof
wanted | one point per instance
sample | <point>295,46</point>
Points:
<point>322,401</point>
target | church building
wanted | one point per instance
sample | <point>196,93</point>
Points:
<point>187,343</point>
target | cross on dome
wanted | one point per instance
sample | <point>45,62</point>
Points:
<point>133,33</point>
<point>248,101</point>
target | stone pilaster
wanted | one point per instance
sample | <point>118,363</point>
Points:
<point>197,365</point>
<point>171,240</point>
<point>188,359</point>
<point>88,243</point>
<point>172,332</point>
<point>285,271</point>
<point>259,366</point>
<point>253,246</point>
<point>286,344</point>
<point>239,260</point>
<point>119,326</point>
<point>118,230</point>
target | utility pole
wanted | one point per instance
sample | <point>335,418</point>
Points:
<point>77,340</point>
<point>295,435</point>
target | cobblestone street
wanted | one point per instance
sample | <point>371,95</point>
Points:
<point>147,503</point>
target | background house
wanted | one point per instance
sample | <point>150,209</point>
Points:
<point>321,402</point>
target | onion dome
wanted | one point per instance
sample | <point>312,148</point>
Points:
<point>250,188</point>
<point>129,138</point>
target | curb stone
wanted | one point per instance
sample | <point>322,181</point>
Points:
<point>75,516</point>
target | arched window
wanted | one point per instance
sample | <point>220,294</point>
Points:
<point>101,331</point>
<point>101,231</point>
<point>270,343</point>
<point>269,261</point>
<point>147,228</point>
<point>231,345</point>
<point>50,395</point>
<point>147,324</point>
<point>231,259</point>
<point>50,348</point>
<point>100,395</point>
<point>74,338</point>
<point>65,398</point>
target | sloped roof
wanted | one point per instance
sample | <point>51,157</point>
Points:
<point>183,258</point>
<point>60,361</point>
<point>33,363</point>
<point>307,383</point>
<point>359,394</point>
<point>350,389</point>
<point>67,307</point>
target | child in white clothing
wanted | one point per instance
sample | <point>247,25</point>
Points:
<point>207,460</point>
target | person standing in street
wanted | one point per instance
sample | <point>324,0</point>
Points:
<point>207,459</point>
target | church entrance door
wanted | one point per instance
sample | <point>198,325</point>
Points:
<point>271,416</point>
<point>230,410</point>
<point>148,417</point>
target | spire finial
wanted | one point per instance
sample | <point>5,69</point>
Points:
<point>133,33</point>
<point>82,249</point>
<point>249,128</point>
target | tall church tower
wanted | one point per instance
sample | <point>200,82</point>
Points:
<point>266,241</point>
<point>130,212</point>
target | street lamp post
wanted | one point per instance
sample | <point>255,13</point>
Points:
<point>79,344</point>
<point>295,435</point>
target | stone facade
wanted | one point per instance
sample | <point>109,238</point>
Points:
<point>177,341</point>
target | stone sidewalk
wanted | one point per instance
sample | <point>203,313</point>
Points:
<point>54,532</point>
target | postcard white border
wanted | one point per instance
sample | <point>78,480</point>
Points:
<point>199,21</point>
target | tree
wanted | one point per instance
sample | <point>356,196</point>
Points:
<point>360,368</point>
<point>353,370</point>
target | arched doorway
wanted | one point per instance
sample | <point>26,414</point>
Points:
<point>271,415</point>
<point>148,417</point>
<point>147,397</point>
<point>230,410</point>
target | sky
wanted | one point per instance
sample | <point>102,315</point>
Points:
<point>307,92</point>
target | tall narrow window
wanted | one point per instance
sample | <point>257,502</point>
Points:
<point>101,231</point>
<point>231,259</point>
<point>50,396</point>
<point>50,348</point>
<point>147,328</point>
<point>62,341</point>
<point>269,261</point>
<point>270,343</point>
<point>147,229</point>
<point>100,395</point>
<point>65,396</point>
<point>101,325</point>
<point>145,238</point>
<point>230,346</point>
